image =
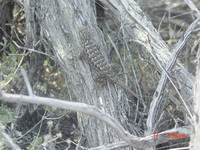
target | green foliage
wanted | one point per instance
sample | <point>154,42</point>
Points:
<point>4,142</point>
<point>47,64</point>
<point>8,66</point>
<point>12,49</point>
<point>42,87</point>
<point>36,143</point>
<point>4,42</point>
<point>186,64</point>
<point>54,80</point>
<point>6,115</point>
<point>48,109</point>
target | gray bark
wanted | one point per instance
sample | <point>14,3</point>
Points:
<point>56,24</point>
<point>59,21</point>
<point>195,136</point>
<point>139,28</point>
<point>6,18</point>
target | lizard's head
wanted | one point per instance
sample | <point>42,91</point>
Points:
<point>84,34</point>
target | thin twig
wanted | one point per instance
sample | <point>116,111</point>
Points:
<point>8,138</point>
<point>28,85</point>
<point>170,65</point>
<point>132,140</point>
<point>25,48</point>
<point>193,7</point>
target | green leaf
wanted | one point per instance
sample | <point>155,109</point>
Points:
<point>46,63</point>
<point>12,48</point>
<point>38,87</point>
<point>3,112</point>
<point>40,140</point>
<point>44,88</point>
<point>19,59</point>
<point>9,59</point>
<point>47,108</point>
<point>36,143</point>
<point>4,42</point>
<point>186,64</point>
<point>6,115</point>
<point>4,54</point>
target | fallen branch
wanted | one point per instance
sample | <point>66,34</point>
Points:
<point>139,142</point>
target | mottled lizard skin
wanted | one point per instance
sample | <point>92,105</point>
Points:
<point>96,59</point>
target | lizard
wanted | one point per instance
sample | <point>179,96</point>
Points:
<point>93,54</point>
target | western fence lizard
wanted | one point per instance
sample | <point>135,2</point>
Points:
<point>96,59</point>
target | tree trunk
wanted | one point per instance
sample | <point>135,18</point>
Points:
<point>195,137</point>
<point>6,8</point>
<point>57,23</point>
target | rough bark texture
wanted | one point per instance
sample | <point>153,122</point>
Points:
<point>59,22</point>
<point>56,24</point>
<point>195,137</point>
<point>6,18</point>
<point>139,28</point>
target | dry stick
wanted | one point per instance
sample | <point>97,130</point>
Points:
<point>143,26</point>
<point>132,140</point>
<point>155,107</point>
<point>170,65</point>
<point>137,86</point>
<point>25,48</point>
<point>17,65</point>
<point>23,55</point>
<point>112,146</point>
<point>193,7</point>
<point>152,119</point>
<point>14,72</point>
<point>28,85</point>
<point>8,138</point>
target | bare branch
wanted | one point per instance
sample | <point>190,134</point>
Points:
<point>28,85</point>
<point>97,113</point>
<point>193,7</point>
<point>8,138</point>
<point>138,27</point>
<point>155,109</point>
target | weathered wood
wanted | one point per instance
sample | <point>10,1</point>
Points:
<point>6,8</point>
<point>140,29</point>
<point>138,26</point>
<point>195,137</point>
<point>56,24</point>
